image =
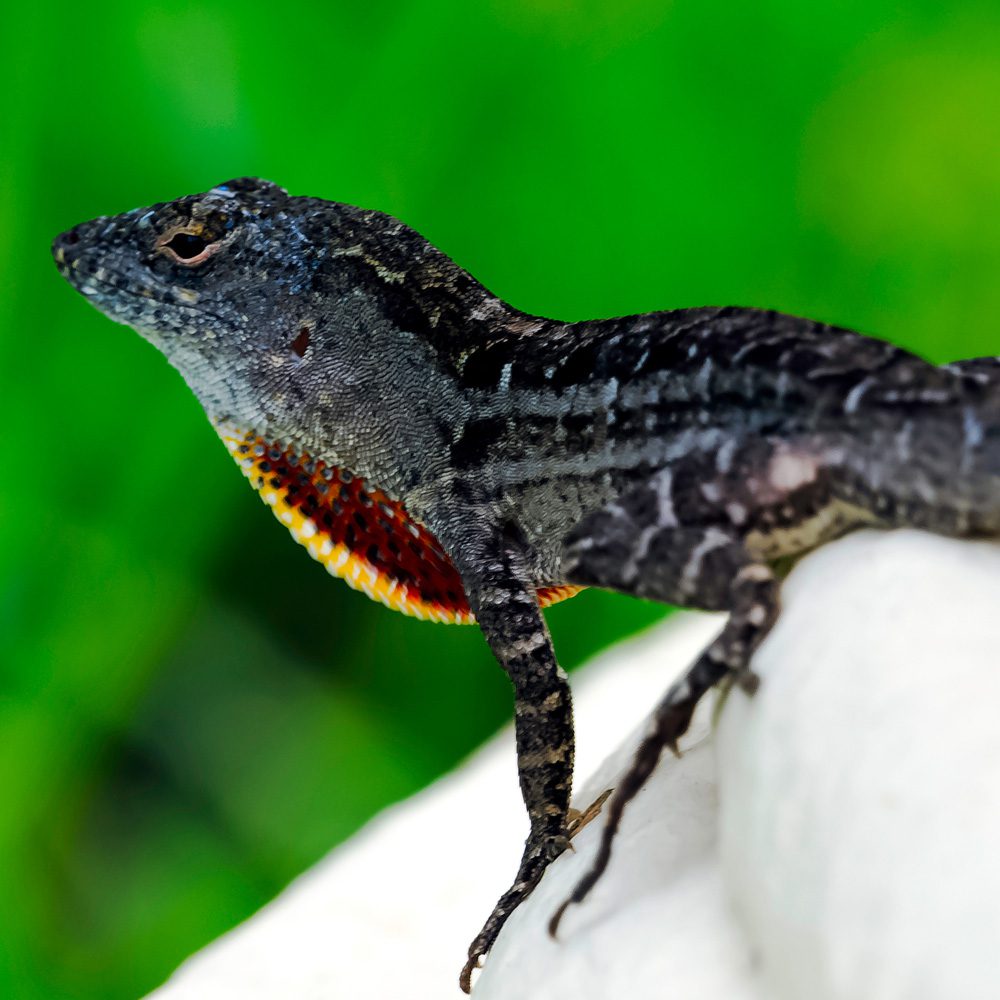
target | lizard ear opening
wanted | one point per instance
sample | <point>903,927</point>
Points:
<point>301,343</point>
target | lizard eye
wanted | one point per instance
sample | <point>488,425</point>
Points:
<point>188,248</point>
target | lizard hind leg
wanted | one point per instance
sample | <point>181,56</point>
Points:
<point>707,568</point>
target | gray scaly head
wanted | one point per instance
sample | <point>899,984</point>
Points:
<point>284,316</point>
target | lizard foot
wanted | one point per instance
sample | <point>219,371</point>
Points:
<point>537,857</point>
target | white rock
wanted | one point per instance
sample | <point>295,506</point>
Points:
<point>843,844</point>
<point>860,789</point>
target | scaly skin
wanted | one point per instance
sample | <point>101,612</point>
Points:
<point>457,458</point>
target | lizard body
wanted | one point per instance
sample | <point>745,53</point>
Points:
<point>461,460</point>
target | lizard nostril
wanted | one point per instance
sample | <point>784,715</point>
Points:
<point>62,243</point>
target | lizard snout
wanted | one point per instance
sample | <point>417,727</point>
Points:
<point>63,246</point>
<point>68,247</point>
<point>80,254</point>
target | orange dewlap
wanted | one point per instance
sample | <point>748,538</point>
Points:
<point>358,533</point>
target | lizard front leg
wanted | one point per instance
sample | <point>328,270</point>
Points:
<point>506,608</point>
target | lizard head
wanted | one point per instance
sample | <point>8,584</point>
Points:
<point>317,337</point>
<point>221,282</point>
<point>300,319</point>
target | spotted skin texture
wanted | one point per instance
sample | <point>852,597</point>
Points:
<point>457,458</point>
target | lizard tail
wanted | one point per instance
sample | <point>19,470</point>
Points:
<point>933,463</point>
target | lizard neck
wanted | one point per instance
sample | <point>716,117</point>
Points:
<point>376,399</point>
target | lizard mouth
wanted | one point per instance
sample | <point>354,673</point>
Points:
<point>116,295</point>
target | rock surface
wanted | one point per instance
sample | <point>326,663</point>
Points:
<point>836,838</point>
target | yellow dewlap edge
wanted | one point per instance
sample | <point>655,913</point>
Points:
<point>354,569</point>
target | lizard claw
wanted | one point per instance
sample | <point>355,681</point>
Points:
<point>556,917</point>
<point>578,820</point>
<point>465,978</point>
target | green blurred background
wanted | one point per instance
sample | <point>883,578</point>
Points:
<point>178,736</point>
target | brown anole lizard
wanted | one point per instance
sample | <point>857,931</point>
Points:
<point>460,460</point>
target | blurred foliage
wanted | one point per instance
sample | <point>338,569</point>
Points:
<point>191,712</point>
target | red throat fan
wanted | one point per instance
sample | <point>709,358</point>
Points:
<point>357,532</point>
